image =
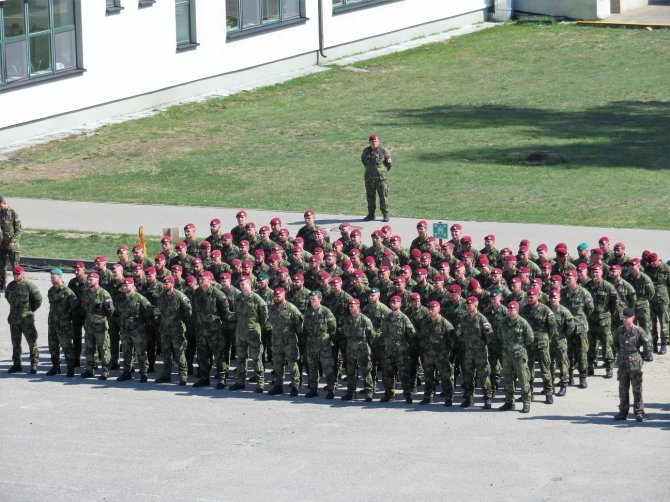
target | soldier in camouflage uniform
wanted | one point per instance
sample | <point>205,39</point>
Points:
<point>659,273</point>
<point>151,289</point>
<point>416,313</point>
<point>495,312</point>
<point>558,350</point>
<point>359,332</point>
<point>377,162</point>
<point>134,311</point>
<point>210,308</point>
<point>78,285</point>
<point>10,232</point>
<point>24,298</point>
<point>438,342</point>
<point>376,311</point>
<point>175,313</point>
<point>517,337</point>
<point>626,292</point>
<point>644,292</point>
<point>319,327</point>
<point>605,303</point>
<point>114,287</point>
<point>337,300</point>
<point>542,320</point>
<point>475,331</point>
<point>99,308</point>
<point>62,303</point>
<point>580,304</point>
<point>397,334</point>
<point>287,325</point>
<point>627,340</point>
<point>251,312</point>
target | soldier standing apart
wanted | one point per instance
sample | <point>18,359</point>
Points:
<point>320,327</point>
<point>63,303</point>
<point>475,329</point>
<point>287,324</point>
<point>397,334</point>
<point>10,228</point>
<point>24,298</point>
<point>377,162</point>
<point>358,330</point>
<point>175,309</point>
<point>627,340</point>
<point>134,311</point>
<point>517,336</point>
<point>251,312</point>
<point>99,307</point>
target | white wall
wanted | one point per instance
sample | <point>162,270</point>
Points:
<point>574,9</point>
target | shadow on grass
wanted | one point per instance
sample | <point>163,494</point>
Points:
<point>619,134</point>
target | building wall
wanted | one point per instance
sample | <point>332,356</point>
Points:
<point>573,9</point>
<point>132,64</point>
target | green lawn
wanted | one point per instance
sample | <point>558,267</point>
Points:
<point>459,118</point>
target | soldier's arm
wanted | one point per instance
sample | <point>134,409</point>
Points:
<point>632,297</point>
<point>613,300</point>
<point>185,308</point>
<point>615,339</point>
<point>588,303</point>
<point>263,318</point>
<point>298,321</point>
<point>17,228</point>
<point>108,305</point>
<point>649,288</point>
<point>332,324</point>
<point>551,325</point>
<point>35,298</point>
<point>73,302</point>
<point>569,323</point>
<point>529,336</point>
<point>644,341</point>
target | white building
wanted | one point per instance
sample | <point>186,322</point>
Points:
<point>64,63</point>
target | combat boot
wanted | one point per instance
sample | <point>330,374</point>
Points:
<point>622,415</point>
<point>561,392</point>
<point>14,369</point>
<point>182,381</point>
<point>124,376</point>
<point>664,350</point>
<point>426,400</point>
<point>466,403</point>
<point>386,218</point>
<point>608,373</point>
<point>448,402</point>
<point>506,407</point>
<point>55,370</point>
<point>114,366</point>
<point>294,392</point>
<point>330,395</point>
<point>408,398</point>
<point>252,379</point>
<point>487,404</point>
<point>549,399</point>
<point>347,397</point>
<point>369,217</point>
<point>368,398</point>
<point>87,373</point>
<point>70,372</point>
<point>151,368</point>
<point>33,369</point>
<point>639,417</point>
<point>655,348</point>
<point>143,377</point>
<point>203,382</point>
<point>258,390</point>
<point>582,383</point>
<point>104,376</point>
<point>222,384</point>
<point>571,381</point>
<point>591,371</point>
<point>648,357</point>
<point>277,389</point>
<point>237,386</point>
<point>526,408</point>
<point>385,398</point>
<point>163,379</point>
<point>312,393</point>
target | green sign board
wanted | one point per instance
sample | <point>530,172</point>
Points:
<point>441,230</point>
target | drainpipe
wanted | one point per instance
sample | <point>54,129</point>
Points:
<point>321,29</point>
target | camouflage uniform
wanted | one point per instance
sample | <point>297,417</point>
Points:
<point>629,364</point>
<point>644,292</point>
<point>114,322</point>
<point>474,333</point>
<point>660,305</point>
<point>495,345</point>
<point>153,335</point>
<point>605,300</point>
<point>251,313</point>
<point>320,326</point>
<point>338,306</point>
<point>210,308</point>
<point>99,307</point>
<point>376,314</point>
<point>627,298</point>
<point>558,350</point>
<point>542,320</point>
<point>62,303</point>
<point>24,298</point>
<point>517,336</point>
<point>416,343</point>
<point>134,312</point>
<point>397,332</point>
<point>287,325</point>
<point>78,286</point>
<point>580,304</point>
<point>10,228</point>
<point>176,313</point>
<point>359,333</point>
<point>439,340</point>
<point>376,178</point>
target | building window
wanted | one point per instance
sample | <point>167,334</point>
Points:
<point>185,18</point>
<point>343,5</point>
<point>251,14</point>
<point>38,38</point>
<point>114,6</point>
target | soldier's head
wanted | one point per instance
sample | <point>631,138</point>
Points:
<point>376,238</point>
<point>324,281</point>
<point>489,242</point>
<point>456,231</point>
<point>571,279</point>
<point>128,286</point>
<point>628,318</point>
<point>160,261</point>
<point>515,285</point>
<point>275,224</point>
<point>279,295</point>
<point>395,303</point>
<point>395,242</point>
<point>555,297</point>
<point>426,259</point>
<point>309,217</point>
<point>138,252</point>
<point>205,279</point>
<point>117,271</point>
<point>604,244</point>
<point>138,271</point>
<point>3,204</point>
<point>483,264</point>
<point>100,263</point>
<point>166,243</point>
<point>387,232</point>
<point>215,226</point>
<point>250,230</point>
<point>298,281</point>
<point>122,253</point>
<point>466,243</point>
<point>225,279</point>
<point>447,250</point>
<point>459,270</point>
<point>454,292</point>
<point>619,249</point>
<point>93,280</point>
<point>245,286</point>
<point>532,296</point>
<point>434,309</point>
<point>355,237</point>
<point>180,248</point>
<point>422,228</point>
<point>189,231</point>
<point>545,269</point>
<point>583,250</point>
<point>513,309</point>
<point>359,278</point>
<point>315,298</point>
<point>596,272</point>
<point>205,249</point>
<point>399,283</point>
<point>634,267</point>
<point>56,277</point>
<point>345,230</point>
<point>354,306</point>
<point>244,247</point>
<point>336,285</point>
<point>191,282</point>
<point>543,252</point>
<point>227,239</point>
<point>615,272</point>
<point>471,305</point>
<point>168,284</point>
<point>263,281</point>
<point>150,272</point>
<point>496,276</point>
<point>496,298</point>
<point>241,217</point>
<point>653,260</point>
<point>415,300</point>
<point>556,281</point>
<point>374,141</point>
<point>176,271</point>
<point>247,267</point>
<point>314,262</point>
<point>79,270</point>
<point>373,296</point>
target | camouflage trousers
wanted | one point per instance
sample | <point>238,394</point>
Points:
<point>114,330</point>
<point>377,350</point>
<point>476,364</point>
<point>600,333</point>
<point>515,365</point>
<point>643,317</point>
<point>26,327</point>
<point>495,362</point>
<point>285,353</point>
<point>414,364</point>
<point>153,341</point>
<point>77,335</point>
<point>173,348</point>
<point>340,351</point>
<point>374,188</point>
<point>191,346</point>
<point>249,346</point>
<point>210,348</point>
<point>358,361</point>
<point>397,361</point>
<point>320,350</point>
<point>61,336</point>
<point>627,379</point>
<point>660,322</point>
<point>558,351</point>
<point>135,343</point>
<point>96,336</point>
<point>539,351</point>
<point>6,255</point>
<point>578,346</point>
<point>434,363</point>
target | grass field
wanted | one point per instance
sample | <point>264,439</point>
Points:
<point>459,118</point>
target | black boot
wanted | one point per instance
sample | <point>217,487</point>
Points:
<point>369,217</point>
<point>124,376</point>
<point>622,415</point>
<point>14,369</point>
<point>312,393</point>
<point>506,407</point>
<point>55,370</point>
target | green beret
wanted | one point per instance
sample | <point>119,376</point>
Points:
<point>56,271</point>
<point>316,292</point>
<point>496,292</point>
<point>263,276</point>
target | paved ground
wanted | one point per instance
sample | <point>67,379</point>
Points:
<point>73,438</point>
<point>658,13</point>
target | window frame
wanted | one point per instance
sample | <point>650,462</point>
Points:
<point>353,5</point>
<point>263,26</point>
<point>192,43</point>
<point>114,8</point>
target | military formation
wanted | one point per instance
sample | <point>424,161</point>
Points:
<point>432,314</point>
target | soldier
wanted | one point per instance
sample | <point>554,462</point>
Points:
<point>359,331</point>
<point>416,313</point>
<point>580,304</point>
<point>251,313</point>
<point>517,336</point>
<point>114,287</point>
<point>420,242</point>
<point>140,257</point>
<point>210,309</point>
<point>438,342</point>
<point>78,285</point>
<point>99,308</point>
<point>659,273</point>
<point>24,298</point>
<point>151,289</point>
<point>377,162</point>
<point>62,303</point>
<point>558,349</point>
<point>190,287</point>
<point>134,311</point>
<point>175,313</point>
<point>376,311</point>
<point>456,232</point>
<point>490,250</point>
<point>309,230</point>
<point>215,236</point>
<point>627,340</point>
<point>474,333</point>
<point>397,333</point>
<point>124,261</point>
<point>605,301</point>
<point>192,244</point>
<point>319,326</point>
<point>287,325</point>
<point>495,312</point>
<point>644,292</point>
<point>542,320</point>
<point>626,292</point>
<point>10,230</point>
<point>238,231</point>
<point>337,300</point>
<point>168,251</point>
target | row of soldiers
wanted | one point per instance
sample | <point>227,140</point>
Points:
<point>266,307</point>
